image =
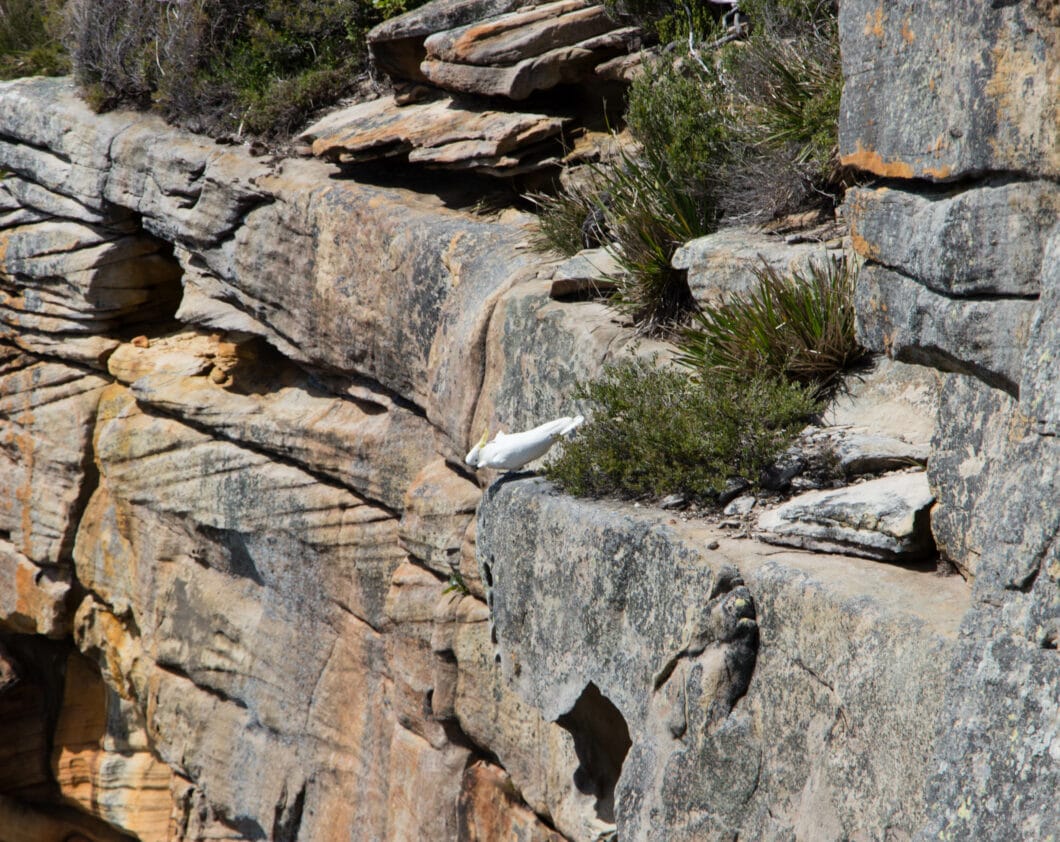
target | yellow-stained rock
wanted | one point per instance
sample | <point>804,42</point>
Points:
<point>46,415</point>
<point>490,809</point>
<point>33,599</point>
<point>128,788</point>
<point>236,386</point>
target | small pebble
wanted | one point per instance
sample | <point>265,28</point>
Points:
<point>713,545</point>
<point>674,501</point>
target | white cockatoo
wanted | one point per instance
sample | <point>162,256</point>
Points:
<point>511,451</point>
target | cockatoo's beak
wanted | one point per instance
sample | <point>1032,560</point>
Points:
<point>472,456</point>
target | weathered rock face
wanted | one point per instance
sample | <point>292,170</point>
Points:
<point>938,92</point>
<point>244,591</point>
<point>741,706</point>
<point>964,278</point>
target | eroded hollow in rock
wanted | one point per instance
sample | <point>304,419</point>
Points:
<point>601,741</point>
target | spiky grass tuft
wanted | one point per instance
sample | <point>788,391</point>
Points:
<point>799,326</point>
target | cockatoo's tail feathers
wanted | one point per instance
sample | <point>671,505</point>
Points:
<point>574,424</point>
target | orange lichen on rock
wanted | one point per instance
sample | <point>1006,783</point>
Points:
<point>871,161</point>
<point>874,22</point>
<point>863,247</point>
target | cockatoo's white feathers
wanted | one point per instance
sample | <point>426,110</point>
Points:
<point>511,451</point>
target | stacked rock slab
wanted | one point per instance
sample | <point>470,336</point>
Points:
<point>473,56</point>
<point>956,111</point>
<point>499,48</point>
<point>442,133</point>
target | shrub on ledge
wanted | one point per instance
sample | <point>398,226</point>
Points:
<point>798,326</point>
<point>655,431</point>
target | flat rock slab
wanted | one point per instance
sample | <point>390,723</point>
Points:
<point>563,65</point>
<point>590,272</point>
<point>526,33</point>
<point>724,263</point>
<point>397,44</point>
<point>441,133</point>
<point>865,453</point>
<point>885,519</point>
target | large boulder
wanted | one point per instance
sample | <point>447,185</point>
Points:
<point>885,519</point>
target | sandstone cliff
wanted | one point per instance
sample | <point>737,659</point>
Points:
<point>235,392</point>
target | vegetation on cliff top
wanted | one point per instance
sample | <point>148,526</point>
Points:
<point>741,127</point>
<point>31,39</point>
<point>753,370</point>
<point>656,431</point>
<point>797,326</point>
<point>258,67</point>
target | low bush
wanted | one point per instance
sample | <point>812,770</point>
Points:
<point>30,39</point>
<point>655,431</point>
<point>798,326</point>
<point>222,66</point>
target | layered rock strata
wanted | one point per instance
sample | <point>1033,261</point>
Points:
<point>235,393</point>
<point>499,49</point>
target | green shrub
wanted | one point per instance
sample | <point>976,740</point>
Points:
<point>665,21</point>
<point>798,326</point>
<point>564,217</point>
<point>746,133</point>
<point>656,431</point>
<point>677,113</point>
<point>650,202</point>
<point>649,215</point>
<point>220,66</point>
<point>30,42</point>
